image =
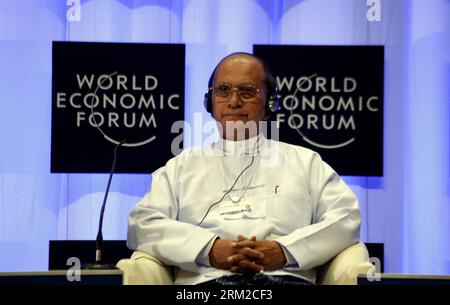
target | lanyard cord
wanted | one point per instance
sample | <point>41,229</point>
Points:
<point>236,199</point>
<point>231,188</point>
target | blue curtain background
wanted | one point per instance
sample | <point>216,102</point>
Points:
<point>408,209</point>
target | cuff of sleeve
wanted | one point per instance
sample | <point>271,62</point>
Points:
<point>203,257</point>
<point>290,260</point>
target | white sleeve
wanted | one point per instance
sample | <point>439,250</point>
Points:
<point>153,226</point>
<point>336,220</point>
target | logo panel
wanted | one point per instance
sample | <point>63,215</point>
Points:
<point>104,93</point>
<point>331,102</point>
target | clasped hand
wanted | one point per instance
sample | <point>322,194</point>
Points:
<point>247,256</point>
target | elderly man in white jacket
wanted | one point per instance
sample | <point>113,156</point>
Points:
<point>245,209</point>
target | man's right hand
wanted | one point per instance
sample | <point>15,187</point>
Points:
<point>220,251</point>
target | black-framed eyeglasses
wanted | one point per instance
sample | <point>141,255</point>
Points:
<point>246,92</point>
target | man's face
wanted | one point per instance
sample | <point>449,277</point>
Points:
<point>239,71</point>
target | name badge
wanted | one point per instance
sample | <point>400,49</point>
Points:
<point>231,210</point>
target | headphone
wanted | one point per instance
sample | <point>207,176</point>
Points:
<point>272,102</point>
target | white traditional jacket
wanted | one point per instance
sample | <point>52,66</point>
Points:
<point>288,194</point>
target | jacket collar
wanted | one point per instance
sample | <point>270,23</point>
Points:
<point>249,146</point>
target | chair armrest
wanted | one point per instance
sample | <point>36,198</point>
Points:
<point>144,269</point>
<point>344,268</point>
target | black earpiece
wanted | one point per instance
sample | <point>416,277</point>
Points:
<point>273,97</point>
<point>208,100</point>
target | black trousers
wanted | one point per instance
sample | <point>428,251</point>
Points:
<point>257,279</point>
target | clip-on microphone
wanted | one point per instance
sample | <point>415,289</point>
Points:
<point>99,241</point>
